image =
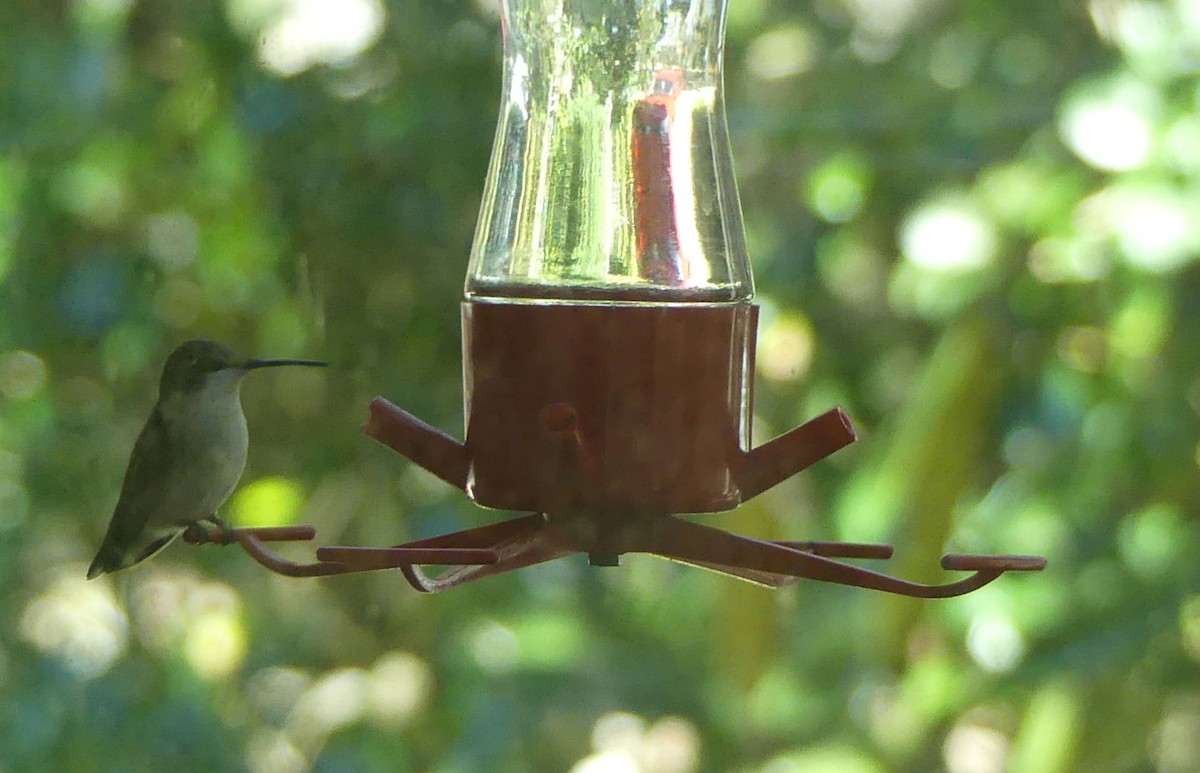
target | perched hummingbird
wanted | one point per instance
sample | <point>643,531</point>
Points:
<point>188,457</point>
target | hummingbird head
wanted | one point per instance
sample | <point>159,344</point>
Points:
<point>193,363</point>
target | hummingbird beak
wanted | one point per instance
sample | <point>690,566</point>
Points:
<point>252,364</point>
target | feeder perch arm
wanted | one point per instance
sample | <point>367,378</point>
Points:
<point>776,563</point>
<point>793,451</point>
<point>423,444</point>
<point>346,560</point>
<point>252,539</point>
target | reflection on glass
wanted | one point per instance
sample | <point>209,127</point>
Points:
<point>611,176</point>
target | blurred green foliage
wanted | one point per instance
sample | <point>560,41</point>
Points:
<point>975,224</point>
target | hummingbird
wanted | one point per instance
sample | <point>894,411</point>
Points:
<point>189,456</point>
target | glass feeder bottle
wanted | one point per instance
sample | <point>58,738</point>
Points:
<point>608,329</point>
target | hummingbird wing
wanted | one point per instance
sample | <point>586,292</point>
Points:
<point>143,491</point>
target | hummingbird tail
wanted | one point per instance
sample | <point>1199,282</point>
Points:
<point>108,559</point>
<point>98,567</point>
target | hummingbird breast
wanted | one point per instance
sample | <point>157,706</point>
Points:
<point>208,438</point>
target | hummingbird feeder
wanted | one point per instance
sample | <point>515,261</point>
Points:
<point>608,326</point>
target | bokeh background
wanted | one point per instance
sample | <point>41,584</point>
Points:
<point>974,223</point>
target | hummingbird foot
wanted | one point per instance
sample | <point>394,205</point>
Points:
<point>211,530</point>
